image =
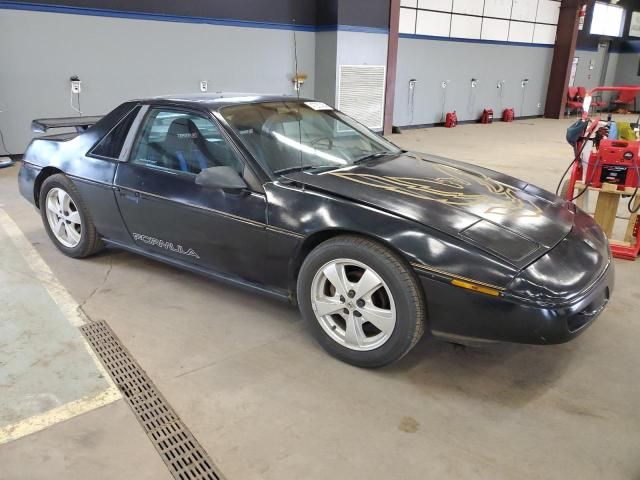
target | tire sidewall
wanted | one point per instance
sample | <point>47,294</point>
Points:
<point>63,183</point>
<point>407,312</point>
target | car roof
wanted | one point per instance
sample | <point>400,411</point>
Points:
<point>217,100</point>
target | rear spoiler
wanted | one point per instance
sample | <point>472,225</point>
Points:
<point>41,125</point>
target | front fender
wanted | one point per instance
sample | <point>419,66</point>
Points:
<point>307,212</point>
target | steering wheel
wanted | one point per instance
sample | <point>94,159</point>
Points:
<point>329,141</point>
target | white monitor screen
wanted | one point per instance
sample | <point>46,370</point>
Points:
<point>607,20</point>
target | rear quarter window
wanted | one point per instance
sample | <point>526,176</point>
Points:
<point>111,144</point>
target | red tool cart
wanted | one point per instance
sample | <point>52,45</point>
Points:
<point>612,169</point>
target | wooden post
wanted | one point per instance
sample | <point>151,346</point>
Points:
<point>563,52</point>
<point>607,207</point>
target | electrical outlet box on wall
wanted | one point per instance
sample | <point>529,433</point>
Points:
<point>76,84</point>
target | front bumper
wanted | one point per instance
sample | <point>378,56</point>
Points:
<point>456,313</point>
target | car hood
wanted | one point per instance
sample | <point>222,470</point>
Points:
<point>495,212</point>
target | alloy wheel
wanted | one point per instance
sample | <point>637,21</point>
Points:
<point>353,304</point>
<point>63,217</point>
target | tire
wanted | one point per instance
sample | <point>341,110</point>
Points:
<point>85,241</point>
<point>347,333</point>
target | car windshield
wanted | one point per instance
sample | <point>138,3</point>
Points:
<point>291,136</point>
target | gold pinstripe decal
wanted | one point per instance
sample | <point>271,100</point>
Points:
<point>231,216</point>
<point>429,268</point>
<point>282,231</point>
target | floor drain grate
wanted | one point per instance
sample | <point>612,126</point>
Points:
<point>179,449</point>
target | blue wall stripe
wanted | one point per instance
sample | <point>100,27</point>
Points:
<point>37,7</point>
<point>350,28</point>
<point>473,40</point>
<point>629,46</point>
<point>619,46</point>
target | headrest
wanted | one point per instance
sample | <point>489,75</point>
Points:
<point>182,129</point>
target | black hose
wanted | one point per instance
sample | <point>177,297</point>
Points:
<point>564,175</point>
<point>629,207</point>
<point>588,183</point>
<point>635,192</point>
<point>575,160</point>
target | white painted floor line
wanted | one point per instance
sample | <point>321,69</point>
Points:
<point>58,293</point>
<point>71,311</point>
<point>59,414</point>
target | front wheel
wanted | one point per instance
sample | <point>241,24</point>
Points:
<point>361,300</point>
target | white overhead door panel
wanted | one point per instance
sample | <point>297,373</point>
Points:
<point>463,26</point>
<point>524,10</point>
<point>548,11</point>
<point>433,23</point>
<point>518,21</point>
<point>440,5</point>
<point>469,7</point>
<point>544,34</point>
<point>497,8</point>
<point>408,20</point>
<point>493,29</point>
<point>521,32</point>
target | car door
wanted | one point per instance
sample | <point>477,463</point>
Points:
<point>169,215</point>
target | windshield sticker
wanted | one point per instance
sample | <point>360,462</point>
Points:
<point>318,105</point>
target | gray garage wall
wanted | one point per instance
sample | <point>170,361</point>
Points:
<point>119,59</point>
<point>326,66</point>
<point>345,47</point>
<point>584,76</point>
<point>622,69</point>
<point>627,69</point>
<point>360,48</point>
<point>431,62</point>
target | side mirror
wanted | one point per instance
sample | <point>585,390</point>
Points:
<point>224,178</point>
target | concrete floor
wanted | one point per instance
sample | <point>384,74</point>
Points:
<point>268,403</point>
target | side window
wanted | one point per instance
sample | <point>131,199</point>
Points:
<point>183,142</point>
<point>111,144</point>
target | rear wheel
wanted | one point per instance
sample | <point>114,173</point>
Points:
<point>361,301</point>
<point>66,218</point>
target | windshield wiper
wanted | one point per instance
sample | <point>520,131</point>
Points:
<point>303,168</point>
<point>371,157</point>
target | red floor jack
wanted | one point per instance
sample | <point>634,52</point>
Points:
<point>612,169</point>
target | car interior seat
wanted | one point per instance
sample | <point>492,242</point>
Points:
<point>281,156</point>
<point>185,148</point>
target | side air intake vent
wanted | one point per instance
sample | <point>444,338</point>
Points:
<point>361,93</point>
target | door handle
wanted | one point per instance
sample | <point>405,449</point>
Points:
<point>132,196</point>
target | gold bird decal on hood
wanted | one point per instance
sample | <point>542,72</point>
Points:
<point>456,187</point>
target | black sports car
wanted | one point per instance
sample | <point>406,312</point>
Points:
<point>291,197</point>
